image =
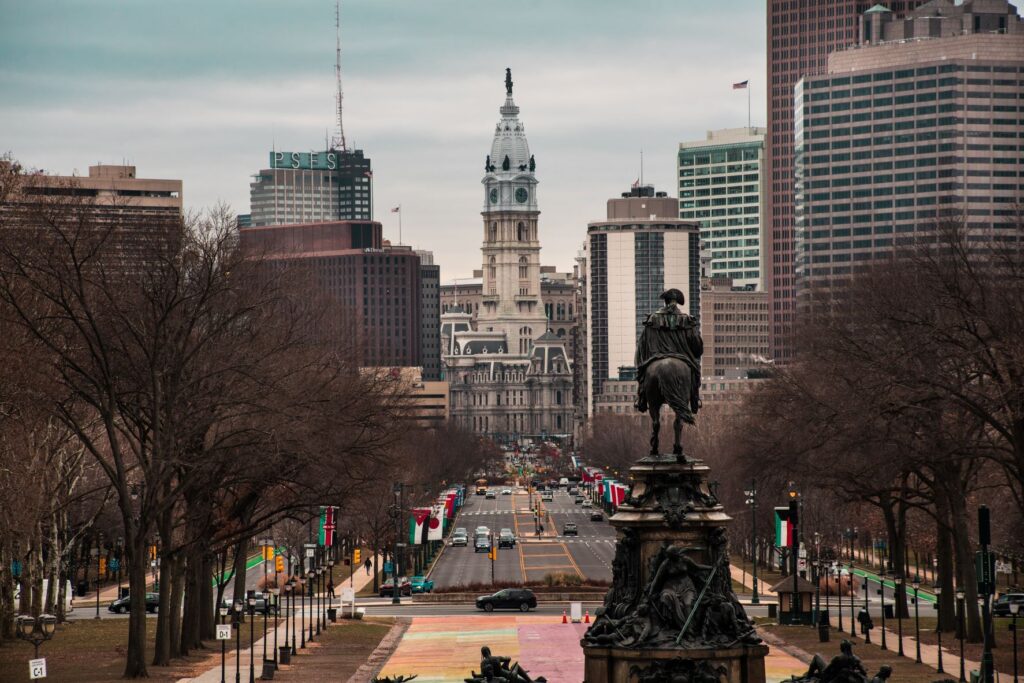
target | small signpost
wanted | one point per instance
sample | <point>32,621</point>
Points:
<point>349,595</point>
<point>223,631</point>
<point>37,668</point>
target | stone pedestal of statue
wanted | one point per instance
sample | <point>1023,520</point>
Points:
<point>671,614</point>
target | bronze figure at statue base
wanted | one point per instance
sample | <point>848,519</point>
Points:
<point>671,614</point>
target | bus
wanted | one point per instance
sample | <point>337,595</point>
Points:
<point>481,487</point>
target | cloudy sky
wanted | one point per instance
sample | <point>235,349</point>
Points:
<point>201,89</point>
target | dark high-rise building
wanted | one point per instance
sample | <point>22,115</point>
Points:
<point>916,125</point>
<point>310,187</point>
<point>378,283</point>
<point>430,325</point>
<point>801,34</point>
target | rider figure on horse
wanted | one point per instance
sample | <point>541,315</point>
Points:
<point>669,333</point>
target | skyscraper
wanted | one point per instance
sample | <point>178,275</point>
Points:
<point>312,187</point>
<point>916,125</point>
<point>801,34</point>
<point>510,376</point>
<point>430,325</point>
<point>639,251</point>
<point>721,184</point>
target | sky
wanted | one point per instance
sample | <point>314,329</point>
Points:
<point>202,90</point>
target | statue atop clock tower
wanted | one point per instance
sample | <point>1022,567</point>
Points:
<point>511,247</point>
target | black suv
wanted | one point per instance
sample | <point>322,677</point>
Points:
<point>506,539</point>
<point>569,529</point>
<point>123,604</point>
<point>511,598</point>
<point>1001,606</point>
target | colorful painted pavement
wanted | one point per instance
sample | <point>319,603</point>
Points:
<point>445,649</point>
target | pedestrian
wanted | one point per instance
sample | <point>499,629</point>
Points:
<point>367,564</point>
<point>330,587</point>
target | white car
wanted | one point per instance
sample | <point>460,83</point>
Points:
<point>482,531</point>
<point>506,492</point>
<point>587,504</point>
<point>460,538</point>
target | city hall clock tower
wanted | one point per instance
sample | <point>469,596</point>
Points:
<point>511,247</point>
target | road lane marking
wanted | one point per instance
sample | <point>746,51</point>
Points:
<point>569,555</point>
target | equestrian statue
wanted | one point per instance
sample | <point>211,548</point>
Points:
<point>668,367</point>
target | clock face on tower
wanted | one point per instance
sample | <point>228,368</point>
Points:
<point>522,195</point>
<point>494,196</point>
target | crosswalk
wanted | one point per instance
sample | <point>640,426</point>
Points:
<point>565,511</point>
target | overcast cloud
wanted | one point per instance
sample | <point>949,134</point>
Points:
<point>201,90</point>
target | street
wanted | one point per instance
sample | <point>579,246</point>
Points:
<point>588,555</point>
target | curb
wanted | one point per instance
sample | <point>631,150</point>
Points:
<point>381,654</point>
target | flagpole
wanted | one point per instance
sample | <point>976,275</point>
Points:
<point>399,223</point>
<point>748,107</point>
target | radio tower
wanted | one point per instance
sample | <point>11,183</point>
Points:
<point>339,140</point>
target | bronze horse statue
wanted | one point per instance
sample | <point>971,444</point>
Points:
<point>669,381</point>
<point>668,367</point>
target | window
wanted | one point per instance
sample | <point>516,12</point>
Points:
<point>492,268</point>
<point>524,268</point>
<point>521,232</point>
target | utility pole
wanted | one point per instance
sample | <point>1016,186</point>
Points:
<point>986,587</point>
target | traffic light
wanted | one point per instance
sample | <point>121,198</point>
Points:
<point>152,552</point>
<point>355,556</point>
<point>268,553</point>
<point>279,563</point>
<point>492,554</point>
<point>103,565</point>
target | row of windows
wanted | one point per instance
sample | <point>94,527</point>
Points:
<point>717,157</point>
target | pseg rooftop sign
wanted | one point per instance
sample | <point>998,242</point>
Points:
<point>316,161</point>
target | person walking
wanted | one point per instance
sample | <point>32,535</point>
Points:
<point>367,564</point>
<point>330,587</point>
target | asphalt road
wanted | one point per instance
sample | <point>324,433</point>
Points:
<point>588,555</point>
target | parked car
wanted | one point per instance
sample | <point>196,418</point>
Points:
<point>587,504</point>
<point>1001,606</point>
<point>387,589</point>
<point>506,539</point>
<point>506,492</point>
<point>122,604</point>
<point>596,516</point>
<point>460,538</point>
<point>421,584</point>
<point>569,529</point>
<point>510,598</point>
<point>482,543</point>
<point>490,494</point>
<point>261,603</point>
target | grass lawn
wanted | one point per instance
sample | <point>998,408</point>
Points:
<point>1002,653</point>
<point>904,670</point>
<point>87,650</point>
<point>342,649</point>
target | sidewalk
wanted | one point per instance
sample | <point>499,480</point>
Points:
<point>212,675</point>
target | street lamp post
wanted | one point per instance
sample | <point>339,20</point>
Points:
<point>849,587</point>
<point>794,507</point>
<point>960,607</point>
<point>838,572</point>
<point>917,616</point>
<point>272,662</point>
<point>36,631</point>
<point>881,592</point>
<point>751,494</point>
<point>302,616</point>
<point>98,554</point>
<point>310,576</point>
<point>223,648</point>
<point>898,580</point>
<point>252,636</point>
<point>239,608</point>
<point>938,623</point>
<point>816,574</point>
<point>285,651</point>
<point>1014,609</point>
<point>867,612</point>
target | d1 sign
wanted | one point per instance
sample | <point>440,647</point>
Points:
<point>224,632</point>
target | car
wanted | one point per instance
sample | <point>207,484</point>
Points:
<point>547,497</point>
<point>596,516</point>
<point>578,499</point>
<point>506,492</point>
<point>506,539</point>
<point>482,543</point>
<point>421,584</point>
<point>573,491</point>
<point>261,604</point>
<point>490,494</point>
<point>461,530</point>
<point>587,504</point>
<point>387,589</point>
<point>1001,606</point>
<point>569,529</point>
<point>460,538</point>
<point>510,598</point>
<point>482,531</point>
<point>122,604</point>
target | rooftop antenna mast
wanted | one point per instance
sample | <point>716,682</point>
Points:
<point>339,140</point>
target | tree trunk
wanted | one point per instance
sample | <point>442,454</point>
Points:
<point>135,660</point>
<point>207,608</point>
<point>241,549</point>
<point>966,577</point>
<point>177,591</point>
<point>944,554</point>
<point>162,642</point>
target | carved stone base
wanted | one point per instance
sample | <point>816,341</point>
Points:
<point>741,664</point>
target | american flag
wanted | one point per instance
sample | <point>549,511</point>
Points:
<point>740,86</point>
<point>397,209</point>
